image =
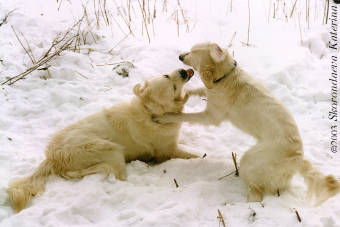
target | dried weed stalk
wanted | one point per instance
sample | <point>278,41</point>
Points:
<point>58,45</point>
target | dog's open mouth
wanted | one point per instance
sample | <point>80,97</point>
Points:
<point>190,73</point>
<point>186,74</point>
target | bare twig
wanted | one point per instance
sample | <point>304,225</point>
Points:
<point>118,63</point>
<point>185,20</point>
<point>292,11</point>
<point>165,6</point>
<point>105,13</point>
<point>82,75</point>
<point>4,20</point>
<point>269,10</point>
<point>176,183</point>
<point>235,163</point>
<point>59,44</point>
<point>22,45</point>
<point>247,44</point>
<point>44,68</point>
<point>227,175</point>
<point>298,215</point>
<point>96,13</point>
<point>177,22</point>
<point>29,48</point>
<point>231,41</point>
<point>220,217</point>
<point>142,8</point>
<point>59,4</point>
<point>41,62</point>
<point>327,12</point>
<point>126,21</point>
<point>300,28</point>
<point>307,12</point>
<point>122,40</point>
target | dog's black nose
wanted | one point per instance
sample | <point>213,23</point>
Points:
<point>183,74</point>
<point>181,57</point>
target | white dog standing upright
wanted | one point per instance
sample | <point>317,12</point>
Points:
<point>233,95</point>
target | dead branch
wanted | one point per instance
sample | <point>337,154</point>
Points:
<point>28,47</point>
<point>61,1</point>
<point>185,20</point>
<point>292,11</point>
<point>105,13</point>
<point>298,215</point>
<point>176,183</point>
<point>235,163</point>
<point>220,217</point>
<point>4,20</point>
<point>127,21</point>
<point>82,75</point>
<point>59,44</point>
<point>227,175</point>
<point>122,40</point>
<point>231,41</point>
<point>28,52</point>
<point>327,12</point>
<point>144,19</point>
<point>248,23</point>
<point>119,63</point>
<point>41,62</point>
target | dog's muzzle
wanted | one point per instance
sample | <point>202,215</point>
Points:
<point>181,57</point>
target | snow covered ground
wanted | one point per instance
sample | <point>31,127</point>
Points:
<point>81,83</point>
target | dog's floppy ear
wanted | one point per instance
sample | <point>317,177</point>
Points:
<point>207,79</point>
<point>141,91</point>
<point>217,54</point>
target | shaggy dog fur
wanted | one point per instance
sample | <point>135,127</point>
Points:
<point>233,95</point>
<point>105,141</point>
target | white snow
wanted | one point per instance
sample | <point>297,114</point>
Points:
<point>35,108</point>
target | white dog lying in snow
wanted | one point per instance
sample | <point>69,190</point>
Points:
<point>104,141</point>
<point>233,95</point>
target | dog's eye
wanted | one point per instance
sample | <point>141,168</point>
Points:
<point>166,76</point>
<point>175,87</point>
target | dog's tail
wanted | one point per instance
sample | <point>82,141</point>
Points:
<point>320,187</point>
<point>21,191</point>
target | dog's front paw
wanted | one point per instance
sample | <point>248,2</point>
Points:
<point>160,119</point>
<point>202,92</point>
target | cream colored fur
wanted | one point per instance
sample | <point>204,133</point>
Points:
<point>105,141</point>
<point>269,165</point>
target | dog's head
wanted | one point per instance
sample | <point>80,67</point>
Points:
<point>165,94</point>
<point>204,57</point>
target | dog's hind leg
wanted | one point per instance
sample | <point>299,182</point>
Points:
<point>254,194</point>
<point>115,164</point>
<point>96,156</point>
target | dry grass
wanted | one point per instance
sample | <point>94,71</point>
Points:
<point>220,217</point>
<point>4,20</point>
<point>132,16</point>
<point>59,44</point>
<point>326,12</point>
